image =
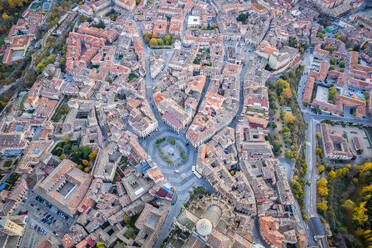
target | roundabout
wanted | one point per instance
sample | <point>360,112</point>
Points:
<point>172,151</point>
<point>174,157</point>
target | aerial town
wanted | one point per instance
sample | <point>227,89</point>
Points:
<point>185,123</point>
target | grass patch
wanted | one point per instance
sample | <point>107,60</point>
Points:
<point>61,111</point>
<point>8,163</point>
<point>132,76</point>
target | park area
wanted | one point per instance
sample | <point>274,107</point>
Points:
<point>83,156</point>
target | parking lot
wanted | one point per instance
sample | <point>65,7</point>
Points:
<point>45,218</point>
<point>31,237</point>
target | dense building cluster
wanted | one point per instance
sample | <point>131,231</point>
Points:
<point>193,74</point>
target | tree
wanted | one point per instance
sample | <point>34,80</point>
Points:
<point>160,41</point>
<point>332,174</point>
<point>12,3</point>
<point>367,188</point>
<point>66,138</point>
<point>292,41</point>
<point>340,172</point>
<point>85,162</point>
<point>153,42</point>
<point>168,38</point>
<point>146,37</point>
<point>232,173</point>
<point>286,94</point>
<point>100,245</point>
<point>288,153</point>
<point>85,150</point>
<point>243,17</point>
<point>5,16</point>
<point>289,118</point>
<point>109,79</point>
<point>87,169</point>
<point>323,191</point>
<point>322,186</point>
<point>40,67</point>
<point>318,135</point>
<point>348,205</point>
<point>297,188</point>
<point>318,150</point>
<point>359,213</point>
<point>367,166</point>
<point>322,205</point>
<point>331,47</point>
<point>92,155</point>
<point>321,168</point>
<point>67,148</point>
<point>342,63</point>
<point>127,219</point>
<point>322,182</point>
<point>333,60</point>
<point>332,93</point>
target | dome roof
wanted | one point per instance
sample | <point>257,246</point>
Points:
<point>204,227</point>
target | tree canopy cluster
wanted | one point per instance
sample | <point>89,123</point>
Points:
<point>153,40</point>
<point>347,203</point>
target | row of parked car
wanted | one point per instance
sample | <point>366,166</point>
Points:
<point>38,229</point>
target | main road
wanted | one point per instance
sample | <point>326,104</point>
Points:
<point>180,177</point>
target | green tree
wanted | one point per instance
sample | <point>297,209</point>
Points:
<point>85,150</point>
<point>348,205</point>
<point>92,155</point>
<point>109,79</point>
<point>318,135</point>
<point>297,189</point>
<point>332,93</point>
<point>342,63</point>
<point>333,60</point>
<point>168,37</point>
<point>160,42</point>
